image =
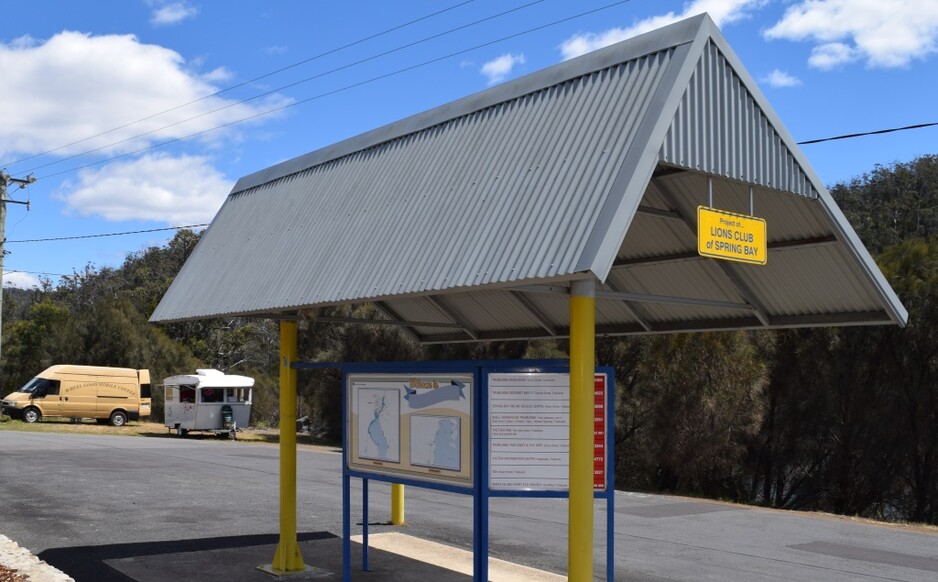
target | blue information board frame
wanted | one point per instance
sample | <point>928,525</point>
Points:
<point>479,488</point>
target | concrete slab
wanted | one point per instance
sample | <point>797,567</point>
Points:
<point>454,559</point>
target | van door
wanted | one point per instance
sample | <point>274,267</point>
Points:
<point>79,397</point>
<point>145,399</point>
<point>46,397</point>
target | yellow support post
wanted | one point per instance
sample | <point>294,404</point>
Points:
<point>287,557</point>
<point>397,504</point>
<point>582,366</point>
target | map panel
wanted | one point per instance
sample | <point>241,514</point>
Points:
<point>414,425</point>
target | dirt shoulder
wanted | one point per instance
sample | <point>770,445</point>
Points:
<point>263,436</point>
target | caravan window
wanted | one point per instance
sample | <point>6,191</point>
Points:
<point>186,394</point>
<point>241,395</point>
<point>212,394</point>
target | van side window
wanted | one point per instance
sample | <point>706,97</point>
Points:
<point>52,387</point>
<point>44,387</point>
<point>144,391</point>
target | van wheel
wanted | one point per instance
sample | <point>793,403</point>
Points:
<point>118,418</point>
<point>31,415</point>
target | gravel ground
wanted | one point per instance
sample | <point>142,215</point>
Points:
<point>19,565</point>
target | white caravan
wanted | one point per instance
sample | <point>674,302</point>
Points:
<point>208,401</point>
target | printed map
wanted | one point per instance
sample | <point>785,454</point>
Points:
<point>435,441</point>
<point>379,413</point>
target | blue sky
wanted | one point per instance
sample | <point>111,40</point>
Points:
<point>86,82</point>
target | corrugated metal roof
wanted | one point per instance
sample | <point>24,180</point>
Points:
<point>594,166</point>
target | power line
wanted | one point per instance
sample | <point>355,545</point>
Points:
<point>242,84</point>
<point>281,88</point>
<point>865,133</point>
<point>341,89</point>
<point>5,273</point>
<point>102,235</point>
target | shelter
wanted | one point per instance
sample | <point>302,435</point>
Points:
<point>479,219</point>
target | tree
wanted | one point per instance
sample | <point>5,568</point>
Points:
<point>910,371</point>
<point>702,393</point>
<point>36,342</point>
<point>892,203</point>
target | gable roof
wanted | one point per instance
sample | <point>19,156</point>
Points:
<point>465,222</point>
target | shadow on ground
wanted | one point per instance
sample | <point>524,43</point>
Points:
<point>232,559</point>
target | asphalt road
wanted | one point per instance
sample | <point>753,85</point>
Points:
<point>60,492</point>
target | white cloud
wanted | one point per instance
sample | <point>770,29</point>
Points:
<point>883,34</point>
<point>722,12</point>
<point>778,78</point>
<point>175,190</point>
<point>24,42</point>
<point>165,13</point>
<point>218,75</point>
<point>832,54</point>
<point>75,85</point>
<point>500,67</point>
<point>20,280</point>
<point>274,50</point>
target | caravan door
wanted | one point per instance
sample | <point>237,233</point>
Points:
<point>180,407</point>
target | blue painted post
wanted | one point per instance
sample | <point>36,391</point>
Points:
<point>346,528</point>
<point>365,525</point>
<point>346,493</point>
<point>610,476</point>
<point>481,504</point>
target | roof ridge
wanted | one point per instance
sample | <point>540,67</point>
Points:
<point>634,48</point>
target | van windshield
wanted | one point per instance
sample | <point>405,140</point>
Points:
<point>33,385</point>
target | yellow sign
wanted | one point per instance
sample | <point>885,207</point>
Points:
<point>733,237</point>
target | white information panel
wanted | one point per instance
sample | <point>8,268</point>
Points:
<point>529,430</point>
<point>417,425</point>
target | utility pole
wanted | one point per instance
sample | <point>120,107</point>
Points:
<point>6,180</point>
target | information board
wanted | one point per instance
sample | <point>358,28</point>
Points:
<point>529,431</point>
<point>729,236</point>
<point>415,425</point>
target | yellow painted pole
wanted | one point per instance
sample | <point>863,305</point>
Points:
<point>582,366</point>
<point>397,504</point>
<point>287,557</point>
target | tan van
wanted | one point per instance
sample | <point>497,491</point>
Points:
<point>113,395</point>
